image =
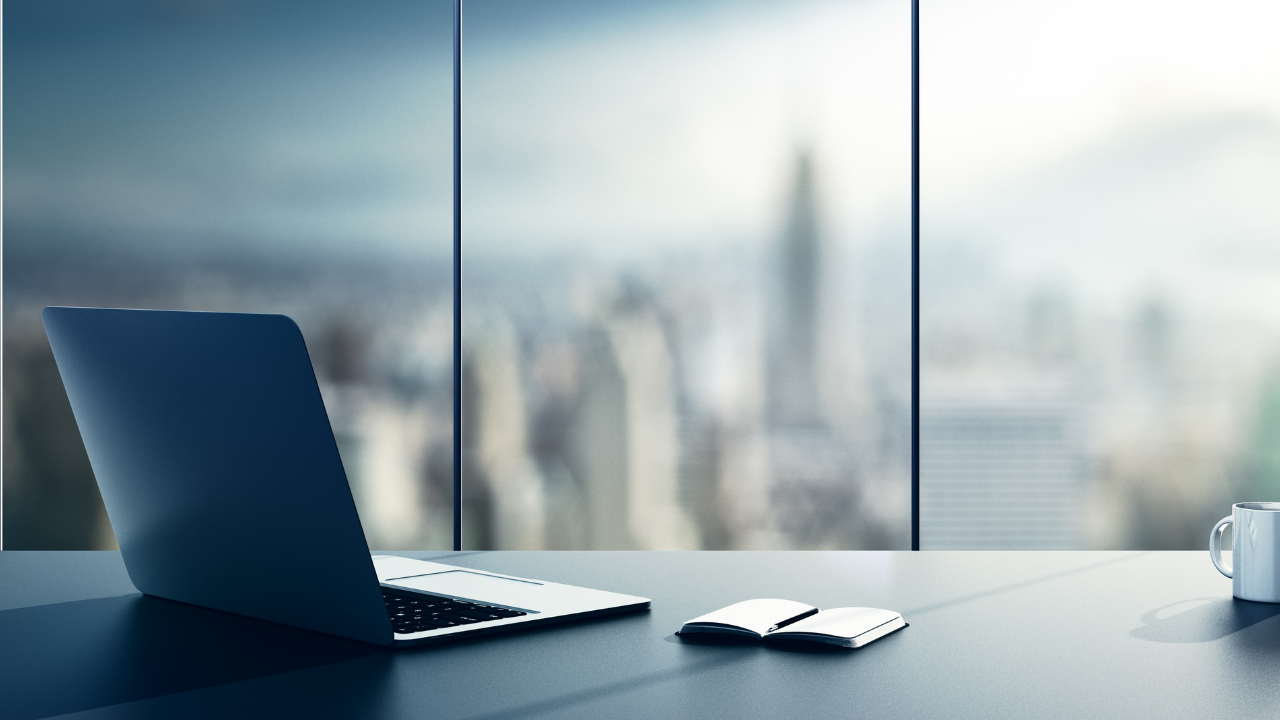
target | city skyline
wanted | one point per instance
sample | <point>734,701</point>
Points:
<point>1100,316</point>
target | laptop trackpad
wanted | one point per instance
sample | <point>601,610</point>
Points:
<point>521,594</point>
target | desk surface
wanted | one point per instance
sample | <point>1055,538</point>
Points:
<point>1032,634</point>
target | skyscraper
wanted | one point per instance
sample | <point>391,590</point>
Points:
<point>813,497</point>
<point>793,389</point>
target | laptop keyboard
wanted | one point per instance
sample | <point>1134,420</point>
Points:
<point>428,612</point>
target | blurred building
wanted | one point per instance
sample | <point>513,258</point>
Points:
<point>794,331</point>
<point>1002,464</point>
<point>814,486</point>
<point>596,423</point>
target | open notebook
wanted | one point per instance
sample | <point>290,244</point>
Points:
<point>787,620</point>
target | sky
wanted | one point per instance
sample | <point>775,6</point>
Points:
<point>1053,134</point>
<point>686,131</point>
<point>1124,149</point>
<point>243,124</point>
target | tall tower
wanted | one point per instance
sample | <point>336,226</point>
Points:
<point>814,498</point>
<point>793,388</point>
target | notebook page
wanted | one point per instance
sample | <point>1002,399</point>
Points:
<point>842,622</point>
<point>755,615</point>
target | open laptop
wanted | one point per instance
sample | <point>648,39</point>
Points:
<point>222,480</point>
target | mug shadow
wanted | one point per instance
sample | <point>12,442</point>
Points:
<point>1202,619</point>
<point>74,656</point>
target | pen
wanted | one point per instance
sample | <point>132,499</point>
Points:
<point>785,623</point>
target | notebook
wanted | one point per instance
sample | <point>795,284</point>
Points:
<point>789,621</point>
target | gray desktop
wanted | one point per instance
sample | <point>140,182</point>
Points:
<point>993,635</point>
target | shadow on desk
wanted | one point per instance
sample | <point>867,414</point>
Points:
<point>89,654</point>
<point>1208,619</point>
<point>731,641</point>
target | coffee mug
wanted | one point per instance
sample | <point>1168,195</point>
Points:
<point>1255,550</point>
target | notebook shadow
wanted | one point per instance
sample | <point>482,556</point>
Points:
<point>74,656</point>
<point>805,647</point>
<point>734,641</point>
<point>714,640</point>
<point>1202,619</point>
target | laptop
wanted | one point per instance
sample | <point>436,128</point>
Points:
<point>220,475</point>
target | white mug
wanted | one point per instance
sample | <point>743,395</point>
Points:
<point>1255,551</point>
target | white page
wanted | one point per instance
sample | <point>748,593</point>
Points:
<point>755,615</point>
<point>842,622</point>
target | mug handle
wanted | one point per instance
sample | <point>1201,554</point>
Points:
<point>1215,545</point>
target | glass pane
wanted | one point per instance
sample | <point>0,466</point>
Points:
<point>686,274</point>
<point>1101,271</point>
<point>289,157</point>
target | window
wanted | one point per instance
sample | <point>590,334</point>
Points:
<point>268,157</point>
<point>686,274</point>
<point>1100,355</point>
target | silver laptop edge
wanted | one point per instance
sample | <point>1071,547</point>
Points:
<point>545,602</point>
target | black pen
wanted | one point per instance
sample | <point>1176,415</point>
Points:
<point>785,623</point>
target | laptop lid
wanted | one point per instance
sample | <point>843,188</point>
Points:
<point>217,465</point>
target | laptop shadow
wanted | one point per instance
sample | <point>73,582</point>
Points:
<point>87,654</point>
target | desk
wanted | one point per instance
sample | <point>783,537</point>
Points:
<point>1033,634</point>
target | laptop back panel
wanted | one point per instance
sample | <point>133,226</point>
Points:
<point>217,465</point>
